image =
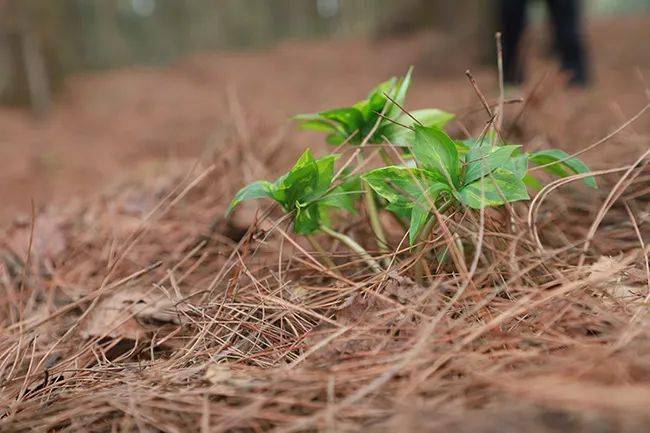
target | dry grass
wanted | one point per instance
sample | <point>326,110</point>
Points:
<point>140,312</point>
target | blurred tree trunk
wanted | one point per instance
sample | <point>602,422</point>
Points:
<point>29,83</point>
<point>28,31</point>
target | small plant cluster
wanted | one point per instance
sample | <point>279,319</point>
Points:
<point>435,173</point>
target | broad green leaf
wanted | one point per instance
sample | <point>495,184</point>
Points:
<point>434,150</point>
<point>319,125</point>
<point>341,199</point>
<point>564,168</point>
<point>303,160</point>
<point>307,219</point>
<point>255,190</point>
<point>307,180</point>
<point>430,117</point>
<point>498,188</point>
<point>338,138</point>
<point>375,101</point>
<point>345,195</point>
<point>482,160</point>
<point>401,212</point>
<point>399,95</point>
<point>461,147</point>
<point>401,186</point>
<point>517,164</point>
<point>419,217</point>
<point>532,181</point>
<point>305,190</point>
<point>298,183</point>
<point>325,169</point>
<point>349,118</point>
<point>316,122</point>
<point>422,209</point>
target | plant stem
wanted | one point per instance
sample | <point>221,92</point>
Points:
<point>373,214</point>
<point>424,237</point>
<point>323,253</point>
<point>421,263</point>
<point>350,243</point>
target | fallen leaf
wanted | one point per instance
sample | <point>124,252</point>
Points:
<point>605,271</point>
<point>130,313</point>
<point>613,277</point>
<point>221,374</point>
<point>403,288</point>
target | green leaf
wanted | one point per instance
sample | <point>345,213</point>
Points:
<point>401,212</point>
<point>307,180</point>
<point>341,199</point>
<point>430,117</point>
<point>345,195</point>
<point>255,190</point>
<point>532,181</point>
<point>304,159</point>
<point>564,168</point>
<point>399,95</point>
<point>349,118</point>
<point>498,188</point>
<point>422,210</point>
<point>325,170</point>
<point>401,186</point>
<point>375,101</point>
<point>340,123</point>
<point>305,190</point>
<point>518,165</point>
<point>316,122</point>
<point>318,125</point>
<point>307,219</point>
<point>419,217</point>
<point>339,138</point>
<point>435,150</point>
<point>484,159</point>
<point>461,147</point>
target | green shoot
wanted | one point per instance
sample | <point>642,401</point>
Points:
<point>307,192</point>
<point>443,174</point>
<point>383,105</point>
<point>472,173</point>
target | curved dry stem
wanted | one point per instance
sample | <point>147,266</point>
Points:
<point>350,243</point>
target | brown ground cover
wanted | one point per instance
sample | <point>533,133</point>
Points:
<point>143,309</point>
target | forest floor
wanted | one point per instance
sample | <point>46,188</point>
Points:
<point>131,304</point>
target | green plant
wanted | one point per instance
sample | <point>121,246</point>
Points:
<point>444,173</point>
<point>306,192</point>
<point>473,173</point>
<point>381,111</point>
<point>376,119</point>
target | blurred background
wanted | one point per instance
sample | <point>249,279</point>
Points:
<point>94,90</point>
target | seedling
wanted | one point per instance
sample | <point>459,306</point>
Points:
<point>377,119</point>
<point>473,173</point>
<point>445,173</point>
<point>381,111</point>
<point>306,192</point>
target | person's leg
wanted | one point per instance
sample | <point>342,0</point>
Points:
<point>567,22</point>
<point>513,23</point>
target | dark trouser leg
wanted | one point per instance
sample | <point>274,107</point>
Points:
<point>513,24</point>
<point>566,17</point>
